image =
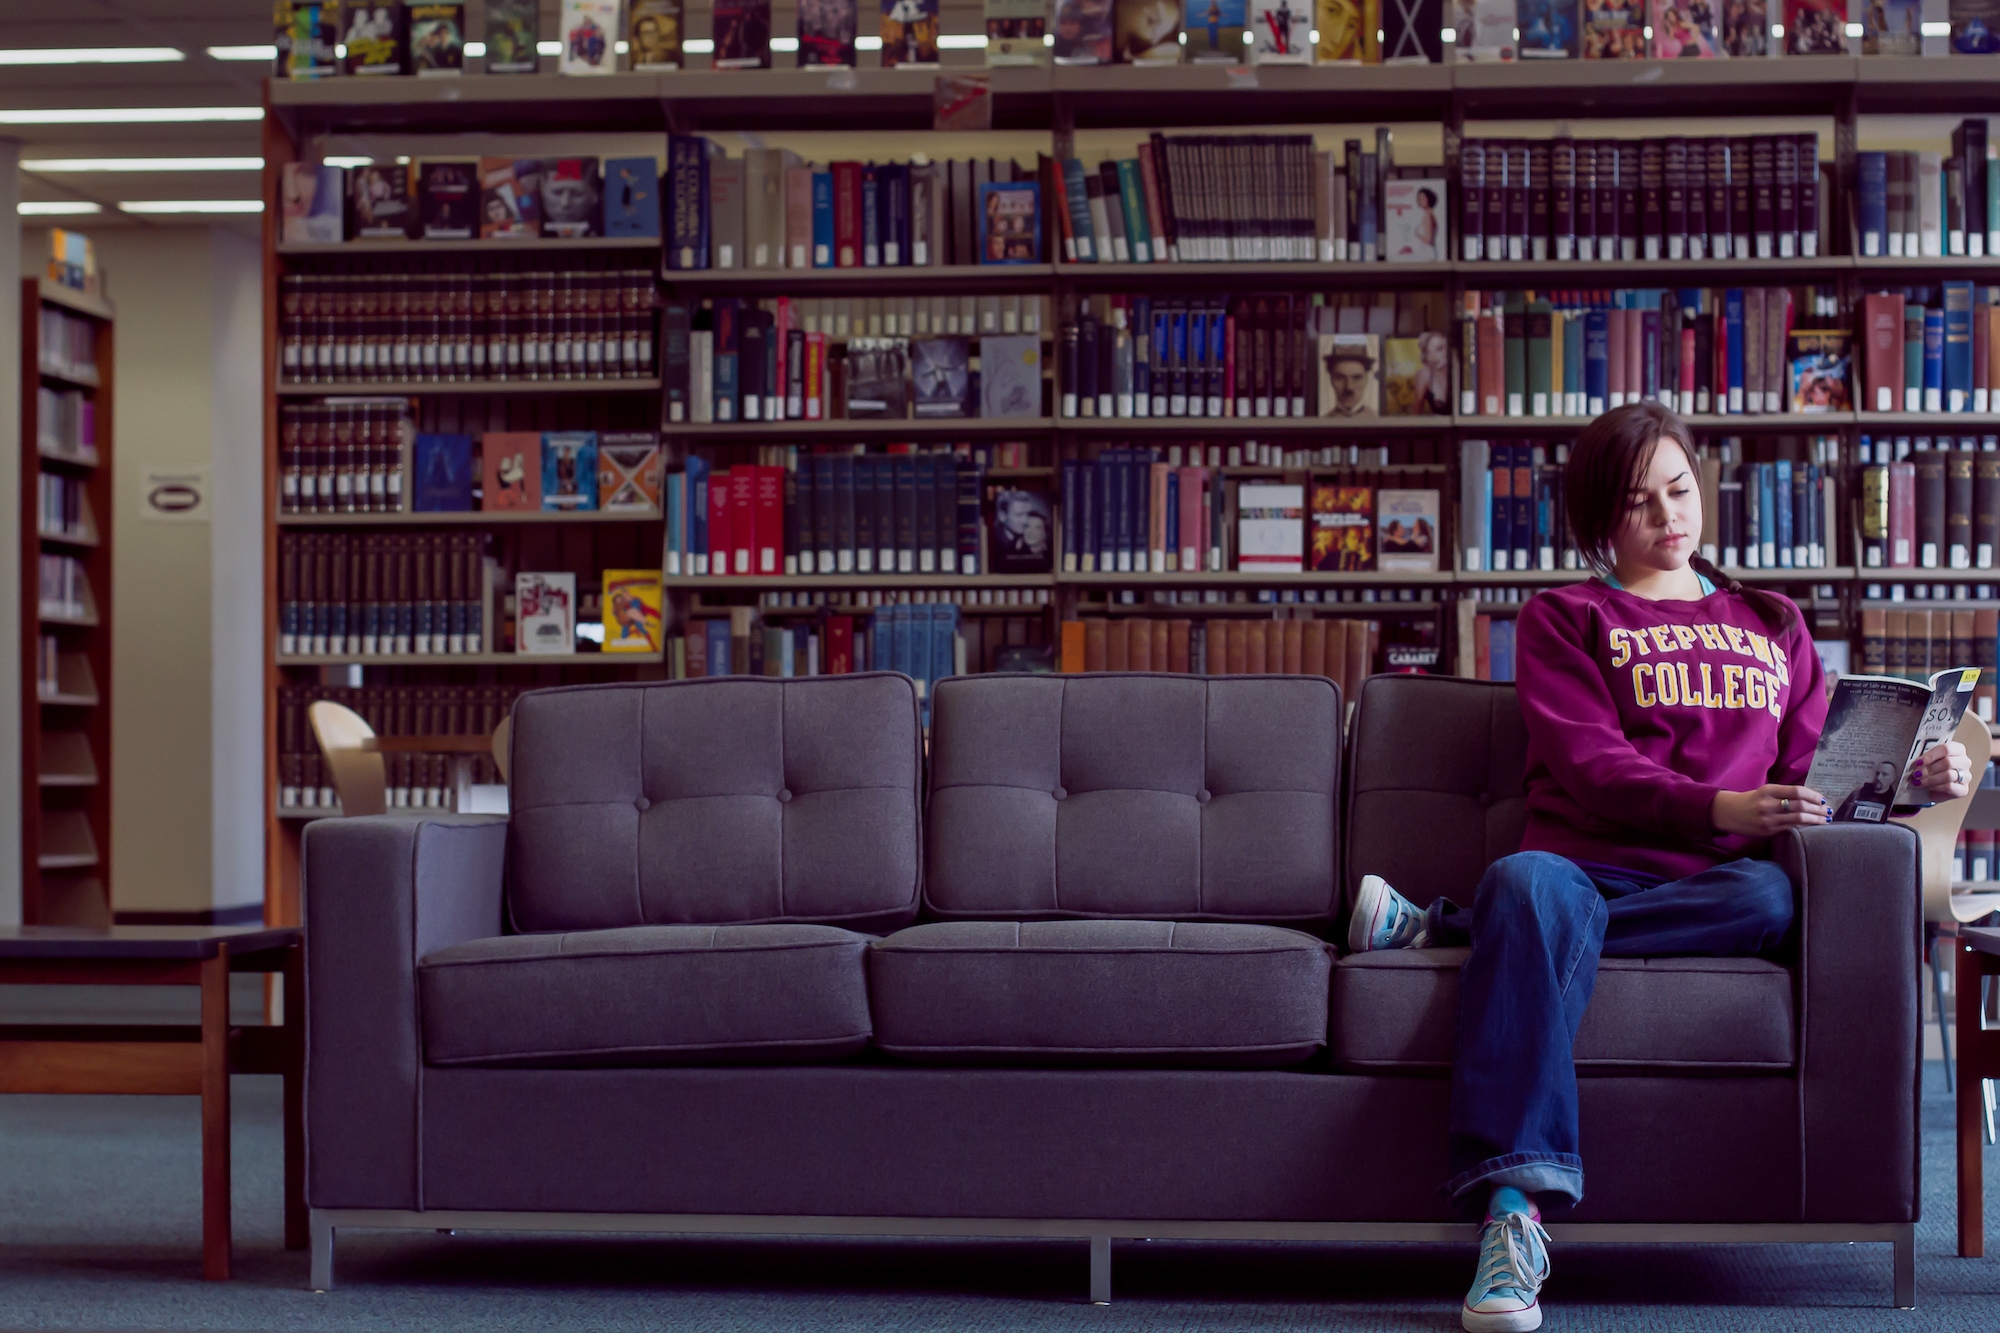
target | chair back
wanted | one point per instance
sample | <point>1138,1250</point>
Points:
<point>1937,829</point>
<point>359,775</point>
<point>501,735</point>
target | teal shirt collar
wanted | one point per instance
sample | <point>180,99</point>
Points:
<point>1707,588</point>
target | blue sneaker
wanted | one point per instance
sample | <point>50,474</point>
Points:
<point>1513,1264</point>
<point>1383,919</point>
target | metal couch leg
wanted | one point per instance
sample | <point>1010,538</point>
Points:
<point>1937,999</point>
<point>322,1251</point>
<point>1100,1270</point>
<point>1905,1248</point>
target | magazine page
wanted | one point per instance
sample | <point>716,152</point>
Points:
<point>1950,692</point>
<point>1859,762</point>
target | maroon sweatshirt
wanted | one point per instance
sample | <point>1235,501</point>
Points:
<point>1639,712</point>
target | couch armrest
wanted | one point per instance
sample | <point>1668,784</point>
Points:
<point>1860,933</point>
<point>380,893</point>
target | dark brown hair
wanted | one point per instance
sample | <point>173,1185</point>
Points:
<point>1608,461</point>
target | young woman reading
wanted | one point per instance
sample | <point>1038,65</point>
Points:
<point>1671,716</point>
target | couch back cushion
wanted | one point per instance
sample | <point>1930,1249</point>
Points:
<point>1134,795</point>
<point>734,799</point>
<point>1435,795</point>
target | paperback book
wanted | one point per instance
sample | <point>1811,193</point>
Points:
<point>878,377</point>
<point>509,198</point>
<point>826,32</point>
<point>437,38</point>
<point>308,35</point>
<point>1346,32</point>
<point>1412,32</point>
<point>510,471</point>
<point>632,196</point>
<point>589,29</point>
<point>1147,32</point>
<point>1876,729</point>
<point>1614,29</point>
<point>441,474</point>
<point>1214,31</point>
<point>569,470</point>
<point>1415,219</point>
<point>1892,28</point>
<point>1406,530</point>
<point>1343,528</point>
<point>1746,29</point>
<point>742,34</point>
<point>1022,535</point>
<point>654,40</point>
<point>909,32</point>
<point>312,208</point>
<point>1014,32</point>
<point>513,29</point>
<point>629,467</point>
<point>1820,371</point>
<point>1010,223</point>
<point>631,605</point>
<point>544,613</point>
<point>1815,28</point>
<point>1280,32</point>
<point>1684,30</point>
<point>382,205</point>
<point>376,39</point>
<point>1083,32</point>
<point>1010,375</point>
<point>940,373</point>
<point>1350,383</point>
<point>1485,30</point>
<point>1549,30</point>
<point>1270,527</point>
<point>571,196</point>
<point>1975,27</point>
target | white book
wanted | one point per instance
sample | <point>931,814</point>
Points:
<point>544,613</point>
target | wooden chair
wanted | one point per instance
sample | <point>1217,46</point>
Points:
<point>501,734</point>
<point>359,775</point>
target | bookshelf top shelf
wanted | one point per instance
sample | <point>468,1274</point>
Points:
<point>382,388</point>
<point>71,299</point>
<point>541,245</point>
<point>449,518</point>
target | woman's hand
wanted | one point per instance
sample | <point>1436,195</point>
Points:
<point>1944,771</point>
<point>1769,810</point>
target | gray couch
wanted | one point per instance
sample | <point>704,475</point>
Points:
<point>741,961</point>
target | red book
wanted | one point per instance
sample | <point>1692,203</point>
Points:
<point>742,518</point>
<point>1903,515</point>
<point>718,522</point>
<point>1882,352</point>
<point>770,520</point>
<point>846,214</point>
<point>1482,647</point>
<point>1687,368</point>
<point>839,645</point>
<point>1192,513</point>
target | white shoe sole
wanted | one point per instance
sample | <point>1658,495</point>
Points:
<point>1368,905</point>
<point>1503,1321</point>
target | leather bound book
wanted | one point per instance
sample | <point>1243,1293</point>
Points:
<point>1118,645</point>
<point>1882,355</point>
<point>1958,496</point>
<point>1312,648</point>
<point>1294,633</point>
<point>1179,639</point>
<point>1902,515</point>
<point>1985,508</point>
<point>1930,507</point>
<point>1138,644</point>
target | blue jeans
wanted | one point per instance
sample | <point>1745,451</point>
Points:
<point>1538,924</point>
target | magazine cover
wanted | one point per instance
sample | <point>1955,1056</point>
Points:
<point>509,198</point>
<point>1146,32</point>
<point>1010,223</point>
<point>654,34</point>
<point>1083,32</point>
<point>631,604</point>
<point>1876,729</point>
<point>632,196</point>
<point>1214,30</point>
<point>307,35</point>
<point>1406,529</point>
<point>878,377</point>
<point>312,208</point>
<point>1746,28</point>
<point>382,205</point>
<point>826,32</point>
<point>1819,371</point>
<point>1010,375</point>
<point>510,470</point>
<point>569,469</point>
<point>571,193</point>
<point>437,38</point>
<point>940,376</point>
<point>1021,537</point>
<point>1346,32</point>
<point>1614,29</point>
<point>629,466</point>
<point>1892,28</point>
<point>909,32</point>
<point>448,196</point>
<point>1975,27</point>
<point>1815,28</point>
<point>1280,32</point>
<point>1014,30</point>
<point>513,28</point>
<point>1350,382</point>
<point>1343,528</point>
<point>376,39</point>
<point>544,613</point>
<point>589,29</point>
<point>1415,219</point>
<point>742,34</point>
<point>1548,30</point>
<point>1683,30</point>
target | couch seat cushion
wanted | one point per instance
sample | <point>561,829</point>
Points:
<point>1158,993</point>
<point>647,995</point>
<point>1399,1007</point>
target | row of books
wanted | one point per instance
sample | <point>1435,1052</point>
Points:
<point>832,642</point>
<point>1912,642</point>
<point>59,506</point>
<point>1972,858</point>
<point>1698,350</point>
<point>1939,509</point>
<point>48,666</point>
<point>461,287</point>
<point>422,593</point>
<point>67,345</point>
<point>64,588</point>
<point>569,471</point>
<point>65,424</point>
<point>445,349</point>
<point>461,199</point>
<point>1722,197</point>
<point>1930,349</point>
<point>1339,648</point>
<point>423,780</point>
<point>807,600</point>
<point>1494,30</point>
<point>1913,204</point>
<point>1493,647</point>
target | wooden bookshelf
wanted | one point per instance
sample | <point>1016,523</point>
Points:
<point>66,721</point>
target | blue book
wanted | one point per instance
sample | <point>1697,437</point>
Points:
<point>697,513</point>
<point>1501,489</point>
<point>1872,204</point>
<point>1142,509</point>
<point>1732,323</point>
<point>1934,360</point>
<point>1177,382</point>
<point>1218,328</point>
<point>631,196</point>
<point>1781,511</point>
<point>687,201</point>
<point>1128,526</point>
<point>871,216</point>
<point>1767,506</point>
<point>1160,359</point>
<point>1107,512</point>
<point>1957,347</point>
<point>569,470</point>
<point>717,654</point>
<point>1486,507</point>
<point>1913,358</point>
<point>441,481</point>
<point>903,652</point>
<point>1087,525</point>
<point>1596,361</point>
<point>1070,498</point>
<point>1524,506</point>
<point>944,648</point>
<point>822,219</point>
<point>881,652</point>
<point>676,563</point>
<point>1079,212</point>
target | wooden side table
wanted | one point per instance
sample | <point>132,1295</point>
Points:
<point>168,1058</point>
<point>1978,1060</point>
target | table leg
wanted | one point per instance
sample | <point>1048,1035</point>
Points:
<point>295,1098</point>
<point>215,1233</point>
<point>1972,1073</point>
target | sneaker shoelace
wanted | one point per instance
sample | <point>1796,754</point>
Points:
<point>1503,1257</point>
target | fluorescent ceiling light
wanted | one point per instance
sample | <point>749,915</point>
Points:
<point>126,115</point>
<point>949,42</point>
<point>266,53</point>
<point>58,164</point>
<point>192,205</point>
<point>57,208</point>
<point>90,55</point>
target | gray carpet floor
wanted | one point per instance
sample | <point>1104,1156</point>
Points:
<point>100,1229</point>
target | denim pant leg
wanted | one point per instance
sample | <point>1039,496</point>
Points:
<point>1734,910</point>
<point>1538,925</point>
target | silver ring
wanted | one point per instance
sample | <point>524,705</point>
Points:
<point>1784,805</point>
<point>1960,774</point>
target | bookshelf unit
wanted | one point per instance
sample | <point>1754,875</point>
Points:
<point>67,373</point>
<point>1062,104</point>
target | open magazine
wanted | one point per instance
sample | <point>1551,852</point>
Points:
<point>1876,726</point>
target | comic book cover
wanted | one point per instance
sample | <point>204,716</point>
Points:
<point>1343,527</point>
<point>513,30</point>
<point>826,32</point>
<point>1147,32</point>
<point>1347,31</point>
<point>1614,29</point>
<point>510,470</point>
<point>437,38</point>
<point>1215,31</point>
<point>1280,32</point>
<point>628,472</point>
<point>631,604</point>
<point>589,30</point>
<point>509,198</point>
<point>1683,29</point>
<point>653,29</point>
<point>1815,28</point>
<point>307,35</point>
<point>1014,31</point>
<point>1820,365</point>
<point>569,469</point>
<point>1746,28</point>
<point>1083,32</point>
<point>909,32</point>
<point>1548,30</point>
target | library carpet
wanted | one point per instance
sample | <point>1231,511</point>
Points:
<point>100,1229</point>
